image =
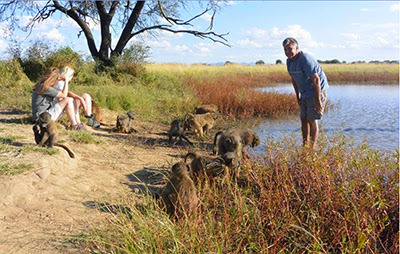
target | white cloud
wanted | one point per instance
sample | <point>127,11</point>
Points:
<point>53,35</point>
<point>351,36</point>
<point>206,16</point>
<point>247,43</point>
<point>395,7</point>
<point>367,10</point>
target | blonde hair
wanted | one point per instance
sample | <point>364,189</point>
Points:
<point>49,78</point>
<point>67,71</point>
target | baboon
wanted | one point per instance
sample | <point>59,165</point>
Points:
<point>46,133</point>
<point>176,131</point>
<point>229,145</point>
<point>207,108</point>
<point>179,195</point>
<point>96,112</point>
<point>200,123</point>
<point>123,124</point>
<point>246,137</point>
<point>206,165</point>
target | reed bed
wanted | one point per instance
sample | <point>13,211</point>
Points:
<point>342,200</point>
<point>234,95</point>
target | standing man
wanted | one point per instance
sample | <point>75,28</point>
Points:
<point>310,85</point>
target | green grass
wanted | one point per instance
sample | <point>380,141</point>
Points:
<point>83,137</point>
<point>341,200</point>
<point>10,169</point>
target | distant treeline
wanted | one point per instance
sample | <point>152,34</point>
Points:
<point>335,61</point>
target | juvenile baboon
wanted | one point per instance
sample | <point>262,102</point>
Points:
<point>176,131</point>
<point>123,124</point>
<point>200,123</point>
<point>46,133</point>
<point>207,108</point>
<point>97,112</point>
<point>179,195</point>
<point>206,165</point>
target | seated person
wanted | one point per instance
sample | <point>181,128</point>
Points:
<point>84,101</point>
<point>46,98</point>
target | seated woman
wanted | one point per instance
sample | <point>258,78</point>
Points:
<point>84,101</point>
<point>45,97</point>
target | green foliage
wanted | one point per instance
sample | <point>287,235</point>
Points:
<point>84,137</point>
<point>279,61</point>
<point>260,62</point>
<point>39,56</point>
<point>64,57</point>
<point>9,169</point>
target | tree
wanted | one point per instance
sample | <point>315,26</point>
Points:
<point>260,62</point>
<point>279,61</point>
<point>134,17</point>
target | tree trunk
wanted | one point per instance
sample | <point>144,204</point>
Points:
<point>126,33</point>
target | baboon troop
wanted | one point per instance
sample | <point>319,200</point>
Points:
<point>179,196</point>
<point>176,130</point>
<point>124,123</point>
<point>46,133</point>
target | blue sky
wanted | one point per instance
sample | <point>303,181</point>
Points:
<point>344,30</point>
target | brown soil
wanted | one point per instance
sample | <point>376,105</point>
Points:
<point>41,209</point>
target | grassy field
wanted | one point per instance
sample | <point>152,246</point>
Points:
<point>342,200</point>
<point>162,92</point>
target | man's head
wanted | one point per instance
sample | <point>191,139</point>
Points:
<point>291,47</point>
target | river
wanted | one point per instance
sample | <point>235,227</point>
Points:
<point>364,113</point>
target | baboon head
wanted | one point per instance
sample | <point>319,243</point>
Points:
<point>131,115</point>
<point>44,119</point>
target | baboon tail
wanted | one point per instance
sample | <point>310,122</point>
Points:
<point>190,154</point>
<point>187,140</point>
<point>70,153</point>
<point>215,142</point>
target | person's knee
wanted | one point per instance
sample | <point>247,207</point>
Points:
<point>87,97</point>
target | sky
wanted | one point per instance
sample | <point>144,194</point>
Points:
<point>344,30</point>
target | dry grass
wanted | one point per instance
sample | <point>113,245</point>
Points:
<point>342,200</point>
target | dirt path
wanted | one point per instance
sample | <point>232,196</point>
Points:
<point>42,208</point>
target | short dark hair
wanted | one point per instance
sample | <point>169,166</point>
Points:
<point>289,40</point>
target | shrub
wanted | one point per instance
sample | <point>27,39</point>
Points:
<point>64,57</point>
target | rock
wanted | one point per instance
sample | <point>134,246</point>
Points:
<point>43,173</point>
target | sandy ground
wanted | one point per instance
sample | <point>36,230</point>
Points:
<point>42,208</point>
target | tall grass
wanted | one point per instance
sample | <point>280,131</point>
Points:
<point>342,200</point>
<point>234,95</point>
<point>336,73</point>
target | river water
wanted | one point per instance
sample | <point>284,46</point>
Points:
<point>364,113</point>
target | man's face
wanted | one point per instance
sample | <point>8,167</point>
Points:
<point>291,50</point>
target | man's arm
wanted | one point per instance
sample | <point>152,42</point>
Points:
<point>296,90</point>
<point>316,84</point>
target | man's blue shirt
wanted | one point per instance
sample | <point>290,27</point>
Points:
<point>301,69</point>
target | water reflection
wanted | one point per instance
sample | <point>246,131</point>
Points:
<point>362,112</point>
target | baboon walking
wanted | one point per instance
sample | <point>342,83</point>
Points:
<point>176,131</point>
<point>46,133</point>
<point>200,123</point>
<point>179,195</point>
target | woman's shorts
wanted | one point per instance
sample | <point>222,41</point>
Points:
<point>307,107</point>
<point>55,111</point>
